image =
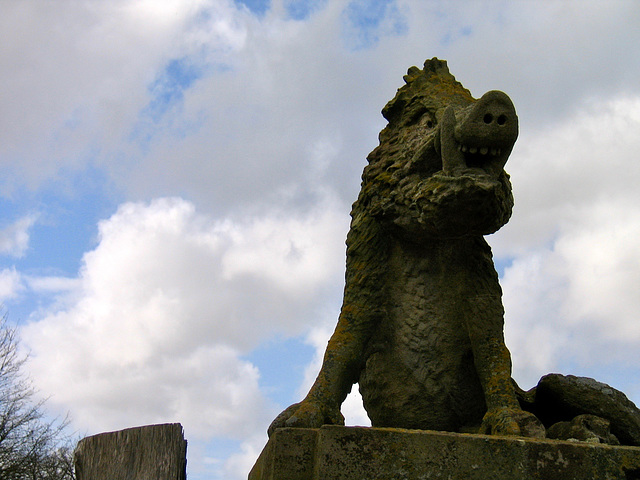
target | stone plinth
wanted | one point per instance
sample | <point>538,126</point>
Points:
<point>361,453</point>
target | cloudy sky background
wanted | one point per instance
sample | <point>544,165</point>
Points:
<point>177,178</point>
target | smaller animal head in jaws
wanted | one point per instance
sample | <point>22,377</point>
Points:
<point>478,138</point>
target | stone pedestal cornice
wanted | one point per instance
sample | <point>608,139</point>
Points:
<point>362,453</point>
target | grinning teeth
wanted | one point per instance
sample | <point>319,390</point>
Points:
<point>482,150</point>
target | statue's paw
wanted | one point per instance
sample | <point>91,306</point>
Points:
<point>307,414</point>
<point>280,420</point>
<point>511,421</point>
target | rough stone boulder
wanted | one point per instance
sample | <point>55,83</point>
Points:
<point>560,398</point>
<point>584,428</point>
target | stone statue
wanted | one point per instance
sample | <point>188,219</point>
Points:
<point>421,326</point>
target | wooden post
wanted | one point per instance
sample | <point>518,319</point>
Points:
<point>152,452</point>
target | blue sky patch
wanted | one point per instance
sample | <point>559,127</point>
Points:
<point>366,21</point>
<point>302,9</point>
<point>282,363</point>
<point>167,95</point>
<point>218,449</point>
<point>452,36</point>
<point>65,228</point>
<point>168,88</point>
<point>257,7</point>
<point>501,264</point>
<point>66,225</point>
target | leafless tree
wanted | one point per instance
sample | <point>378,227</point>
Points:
<point>31,446</point>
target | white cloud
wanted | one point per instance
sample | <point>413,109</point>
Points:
<point>11,284</point>
<point>52,284</point>
<point>238,465</point>
<point>78,75</point>
<point>268,88</point>
<point>278,99</point>
<point>573,307</point>
<point>289,89</point>
<point>534,333</point>
<point>14,242</point>
<point>603,261</point>
<point>14,239</point>
<point>526,49</point>
<point>571,291</point>
<point>565,171</point>
<point>164,306</point>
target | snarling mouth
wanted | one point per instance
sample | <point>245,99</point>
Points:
<point>479,157</point>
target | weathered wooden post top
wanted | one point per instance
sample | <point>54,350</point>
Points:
<point>153,452</point>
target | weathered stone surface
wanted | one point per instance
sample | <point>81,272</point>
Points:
<point>358,453</point>
<point>562,397</point>
<point>585,428</point>
<point>421,326</point>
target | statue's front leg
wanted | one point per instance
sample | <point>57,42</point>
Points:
<point>340,370</point>
<point>322,404</point>
<point>493,365</point>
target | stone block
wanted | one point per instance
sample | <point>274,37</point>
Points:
<point>362,453</point>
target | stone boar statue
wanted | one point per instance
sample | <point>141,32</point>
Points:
<point>421,325</point>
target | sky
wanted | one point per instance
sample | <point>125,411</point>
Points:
<point>178,175</point>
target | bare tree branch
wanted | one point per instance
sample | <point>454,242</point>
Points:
<point>31,446</point>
